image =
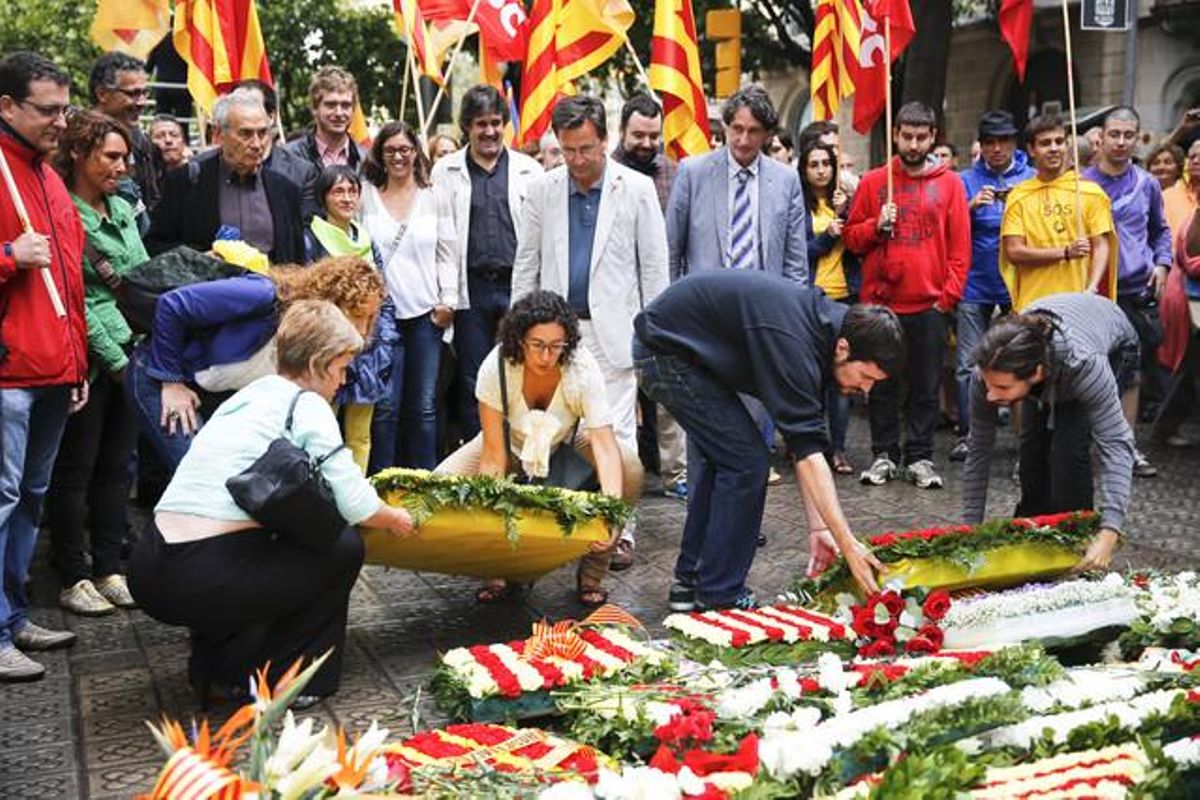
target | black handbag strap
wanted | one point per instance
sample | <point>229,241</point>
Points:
<point>287,428</point>
<point>504,407</point>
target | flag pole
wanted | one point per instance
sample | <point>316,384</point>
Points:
<point>887,95</point>
<point>458,46</point>
<point>1074,120</point>
<point>404,87</point>
<point>412,65</point>
<point>641,69</point>
<point>23,215</point>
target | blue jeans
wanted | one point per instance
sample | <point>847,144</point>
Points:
<point>144,395</point>
<point>973,319</point>
<point>31,426</point>
<point>727,484</point>
<point>404,427</point>
<point>474,337</point>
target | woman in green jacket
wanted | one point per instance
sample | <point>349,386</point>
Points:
<point>90,484</point>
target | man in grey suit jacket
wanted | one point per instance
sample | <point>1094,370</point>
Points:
<point>735,208</point>
<point>592,231</point>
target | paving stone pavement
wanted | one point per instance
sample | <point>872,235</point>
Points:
<point>81,732</point>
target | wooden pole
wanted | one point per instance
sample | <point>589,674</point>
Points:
<point>23,216</point>
<point>458,46</point>
<point>1074,120</point>
<point>412,65</point>
<point>404,88</point>
<point>887,95</point>
<point>641,69</point>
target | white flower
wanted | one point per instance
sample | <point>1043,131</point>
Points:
<point>1083,687</point>
<point>295,742</point>
<point>745,701</point>
<point>832,675</point>
<point>637,783</point>
<point>786,754</point>
<point>1184,752</point>
<point>787,683</point>
<point>1129,713</point>
<point>567,790</point>
<point>661,713</point>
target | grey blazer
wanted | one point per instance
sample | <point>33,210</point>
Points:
<point>698,217</point>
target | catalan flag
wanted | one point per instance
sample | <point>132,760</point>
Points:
<point>222,44</point>
<point>836,40</point>
<point>675,75</point>
<point>567,40</point>
<point>359,132</point>
<point>412,25</point>
<point>131,26</point>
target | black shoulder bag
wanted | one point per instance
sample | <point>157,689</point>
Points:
<point>286,492</point>
<point>568,469</point>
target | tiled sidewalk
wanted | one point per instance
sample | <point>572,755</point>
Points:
<point>81,732</point>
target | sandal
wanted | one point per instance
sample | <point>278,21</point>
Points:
<point>842,465</point>
<point>495,591</point>
<point>588,577</point>
<point>592,596</point>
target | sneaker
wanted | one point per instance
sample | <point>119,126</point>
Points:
<point>16,667</point>
<point>745,601</point>
<point>676,491</point>
<point>1016,472</point>
<point>115,590</point>
<point>773,477</point>
<point>881,471</point>
<point>959,453</point>
<point>1142,468</point>
<point>923,475</point>
<point>682,597</point>
<point>35,637</point>
<point>84,599</point>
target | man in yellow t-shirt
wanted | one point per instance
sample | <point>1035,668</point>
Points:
<point>1042,250</point>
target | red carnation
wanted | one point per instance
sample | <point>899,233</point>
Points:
<point>864,621</point>
<point>933,633</point>
<point>884,540</point>
<point>920,644</point>
<point>936,605</point>
<point>893,602</point>
<point>664,761</point>
<point>878,649</point>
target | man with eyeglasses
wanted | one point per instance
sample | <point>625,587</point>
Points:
<point>118,86</point>
<point>43,355</point>
<point>1143,249</point>
<point>593,232</point>
<point>232,189</point>
<point>486,183</point>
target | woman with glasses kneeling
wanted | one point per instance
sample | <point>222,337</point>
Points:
<point>248,594</point>
<point>549,385</point>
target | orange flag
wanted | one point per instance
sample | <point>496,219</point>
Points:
<point>222,44</point>
<point>675,75</point>
<point>131,26</point>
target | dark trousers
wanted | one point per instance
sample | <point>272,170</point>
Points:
<point>250,598</point>
<point>475,336</point>
<point>404,428</point>
<point>90,485</point>
<point>917,398</point>
<point>1180,398</point>
<point>1056,466</point>
<point>727,474</point>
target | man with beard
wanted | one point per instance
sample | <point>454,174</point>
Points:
<point>640,149</point>
<point>916,250</point>
<point>487,184</point>
<point>1066,359</point>
<point>118,87</point>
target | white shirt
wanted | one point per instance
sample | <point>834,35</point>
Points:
<point>535,433</point>
<point>752,189</point>
<point>414,280</point>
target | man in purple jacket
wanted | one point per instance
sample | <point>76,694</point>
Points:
<point>1144,242</point>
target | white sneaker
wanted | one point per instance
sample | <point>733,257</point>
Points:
<point>83,599</point>
<point>923,474</point>
<point>881,471</point>
<point>115,590</point>
<point>17,667</point>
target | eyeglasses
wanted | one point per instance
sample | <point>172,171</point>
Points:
<point>543,348</point>
<point>132,94</point>
<point>403,151</point>
<point>49,112</point>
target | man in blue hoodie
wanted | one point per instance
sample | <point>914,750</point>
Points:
<point>1000,166</point>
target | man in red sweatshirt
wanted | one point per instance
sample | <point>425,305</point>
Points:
<point>43,355</point>
<point>916,251</point>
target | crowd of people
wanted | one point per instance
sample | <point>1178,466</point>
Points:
<point>481,310</point>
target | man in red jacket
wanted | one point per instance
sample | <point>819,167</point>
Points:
<point>916,251</point>
<point>43,356</point>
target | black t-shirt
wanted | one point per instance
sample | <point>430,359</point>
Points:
<point>758,334</point>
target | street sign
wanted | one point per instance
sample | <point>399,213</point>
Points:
<point>1104,15</point>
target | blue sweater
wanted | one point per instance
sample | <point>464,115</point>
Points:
<point>984,284</point>
<point>204,324</point>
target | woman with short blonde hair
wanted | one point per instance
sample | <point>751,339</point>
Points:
<point>251,595</point>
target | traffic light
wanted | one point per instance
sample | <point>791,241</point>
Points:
<point>724,26</point>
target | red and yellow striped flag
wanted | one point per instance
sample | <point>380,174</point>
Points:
<point>359,132</point>
<point>675,75</point>
<point>131,26</point>
<point>567,39</point>
<point>222,44</point>
<point>411,23</point>
<point>836,41</point>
